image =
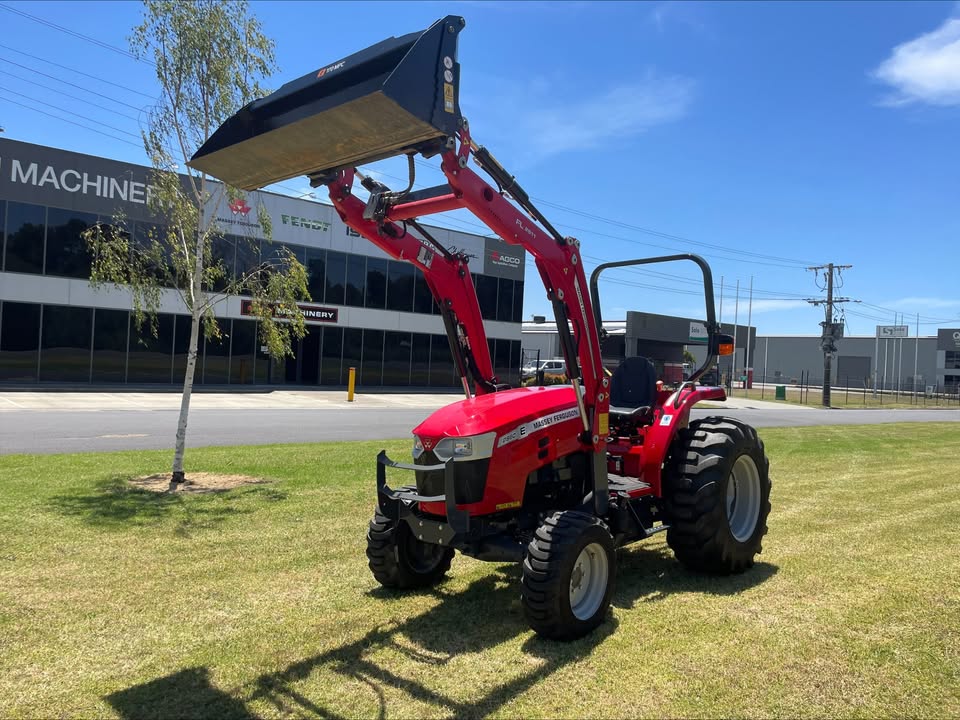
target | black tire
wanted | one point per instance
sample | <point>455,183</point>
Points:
<point>548,574</point>
<point>399,560</point>
<point>709,531</point>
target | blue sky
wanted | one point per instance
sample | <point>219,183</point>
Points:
<point>767,137</point>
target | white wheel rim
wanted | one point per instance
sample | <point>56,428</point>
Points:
<point>743,498</point>
<point>588,581</point>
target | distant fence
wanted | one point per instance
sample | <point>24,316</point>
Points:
<point>850,390</point>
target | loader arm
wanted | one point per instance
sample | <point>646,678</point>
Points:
<point>401,97</point>
<point>446,274</point>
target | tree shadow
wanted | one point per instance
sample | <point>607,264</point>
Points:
<point>486,614</point>
<point>114,504</point>
<point>186,694</point>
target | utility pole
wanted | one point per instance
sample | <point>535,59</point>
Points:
<point>831,331</point>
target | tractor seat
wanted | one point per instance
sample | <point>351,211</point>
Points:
<point>633,390</point>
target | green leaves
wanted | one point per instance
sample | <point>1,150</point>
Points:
<point>211,57</point>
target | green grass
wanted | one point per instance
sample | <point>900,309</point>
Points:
<point>258,602</point>
<point>852,399</point>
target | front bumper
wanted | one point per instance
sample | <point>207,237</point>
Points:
<point>398,504</point>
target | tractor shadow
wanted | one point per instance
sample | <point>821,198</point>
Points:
<point>484,615</point>
<point>113,504</point>
<point>646,575</point>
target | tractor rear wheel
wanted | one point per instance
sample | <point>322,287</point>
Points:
<point>399,560</point>
<point>717,493</point>
<point>568,575</point>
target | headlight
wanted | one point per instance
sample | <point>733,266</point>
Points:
<point>466,448</point>
<point>417,447</point>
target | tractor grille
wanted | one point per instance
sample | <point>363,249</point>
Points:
<point>470,478</point>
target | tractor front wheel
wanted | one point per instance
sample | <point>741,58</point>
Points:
<point>717,492</point>
<point>568,575</point>
<point>399,560</point>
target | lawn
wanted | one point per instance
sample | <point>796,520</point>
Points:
<point>258,602</point>
<point>851,398</point>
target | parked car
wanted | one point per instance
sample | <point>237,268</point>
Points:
<point>552,370</point>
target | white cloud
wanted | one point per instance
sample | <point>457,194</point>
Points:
<point>925,69</point>
<point>925,303</point>
<point>555,114</point>
<point>622,111</point>
<point>763,306</point>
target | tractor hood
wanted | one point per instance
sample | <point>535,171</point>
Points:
<point>504,412</point>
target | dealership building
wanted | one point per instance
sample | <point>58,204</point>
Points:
<point>366,311</point>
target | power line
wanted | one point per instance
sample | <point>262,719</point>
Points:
<point>78,72</point>
<point>65,82</point>
<point>73,97</point>
<point>56,107</point>
<point>86,127</point>
<point>831,334</point>
<point>74,33</point>
<point>657,233</point>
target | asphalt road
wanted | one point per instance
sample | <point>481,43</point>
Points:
<point>67,431</point>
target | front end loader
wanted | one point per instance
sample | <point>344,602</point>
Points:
<point>554,478</point>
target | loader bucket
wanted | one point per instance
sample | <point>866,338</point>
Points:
<point>399,95</point>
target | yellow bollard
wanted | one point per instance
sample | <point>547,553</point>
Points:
<point>351,383</point>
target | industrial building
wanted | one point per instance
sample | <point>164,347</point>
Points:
<point>908,363</point>
<point>367,311</point>
<point>661,338</point>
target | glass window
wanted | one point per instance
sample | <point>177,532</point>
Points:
<point>158,260</point>
<point>420,360</point>
<point>501,362</point>
<point>110,328</point>
<point>316,263</point>
<point>264,364</point>
<point>376,296</point>
<point>24,248</point>
<point>505,299</point>
<point>371,372</point>
<point>352,352</point>
<point>181,340</point>
<point>517,315</point>
<point>223,253</point>
<point>274,253</point>
<point>441,364</point>
<point>330,357</point>
<point>952,360</point>
<point>487,295</point>
<point>422,297</point>
<point>65,344</point>
<point>309,356</point>
<point>216,356</point>
<point>248,255</point>
<point>356,280</point>
<point>400,286</point>
<point>336,274</point>
<point>242,352</point>
<point>396,359</point>
<point>151,358</point>
<point>19,341</point>
<point>516,359</point>
<point>66,249</point>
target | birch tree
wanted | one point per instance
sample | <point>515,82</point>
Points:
<point>210,58</point>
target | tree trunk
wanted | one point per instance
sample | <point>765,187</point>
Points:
<point>178,473</point>
<point>196,315</point>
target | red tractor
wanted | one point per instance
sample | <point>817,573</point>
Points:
<point>555,478</point>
